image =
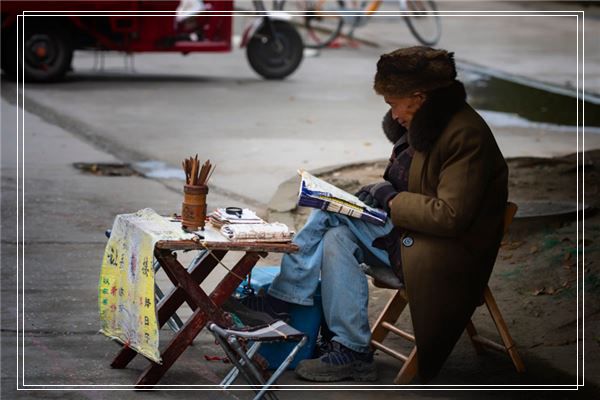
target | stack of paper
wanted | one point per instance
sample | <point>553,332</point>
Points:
<point>248,227</point>
<point>273,232</point>
<point>220,217</point>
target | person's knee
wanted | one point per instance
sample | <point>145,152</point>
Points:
<point>337,235</point>
<point>338,239</point>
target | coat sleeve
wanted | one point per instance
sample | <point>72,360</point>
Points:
<point>466,167</point>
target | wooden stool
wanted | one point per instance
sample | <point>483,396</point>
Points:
<point>390,314</point>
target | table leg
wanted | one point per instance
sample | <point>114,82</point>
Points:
<point>196,323</point>
<point>191,288</point>
<point>173,280</point>
<point>171,303</point>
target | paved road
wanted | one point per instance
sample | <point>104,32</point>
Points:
<point>259,132</point>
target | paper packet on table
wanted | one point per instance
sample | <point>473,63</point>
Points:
<point>265,232</point>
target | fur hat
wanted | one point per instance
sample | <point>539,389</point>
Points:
<point>408,70</point>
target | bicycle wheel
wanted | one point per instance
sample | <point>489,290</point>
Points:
<point>423,22</point>
<point>319,21</point>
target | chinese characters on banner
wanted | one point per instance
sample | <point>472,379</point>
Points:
<point>126,289</point>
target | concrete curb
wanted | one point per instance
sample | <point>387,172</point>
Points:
<point>587,95</point>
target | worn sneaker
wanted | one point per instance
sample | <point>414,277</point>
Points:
<point>338,364</point>
<point>322,347</point>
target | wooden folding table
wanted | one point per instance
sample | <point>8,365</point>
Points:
<point>187,289</point>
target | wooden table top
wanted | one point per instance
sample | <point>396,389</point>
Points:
<point>212,239</point>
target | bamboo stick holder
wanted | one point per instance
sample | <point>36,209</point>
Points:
<point>193,210</point>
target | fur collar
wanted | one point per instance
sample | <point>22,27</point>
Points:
<point>430,120</point>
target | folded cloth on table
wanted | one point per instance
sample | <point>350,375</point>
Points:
<point>266,232</point>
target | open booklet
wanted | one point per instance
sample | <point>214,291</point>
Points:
<point>317,193</point>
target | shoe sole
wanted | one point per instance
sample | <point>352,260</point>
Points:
<point>359,372</point>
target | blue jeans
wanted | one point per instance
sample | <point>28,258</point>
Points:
<point>332,247</point>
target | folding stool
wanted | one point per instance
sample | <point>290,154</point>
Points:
<point>231,341</point>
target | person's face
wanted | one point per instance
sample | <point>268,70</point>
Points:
<point>404,108</point>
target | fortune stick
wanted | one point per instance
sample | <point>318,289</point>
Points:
<point>195,191</point>
<point>195,174</point>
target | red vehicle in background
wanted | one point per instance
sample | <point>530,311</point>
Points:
<point>51,31</point>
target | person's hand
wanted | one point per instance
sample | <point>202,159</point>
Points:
<point>382,193</point>
<point>377,195</point>
<point>369,200</point>
<point>364,194</point>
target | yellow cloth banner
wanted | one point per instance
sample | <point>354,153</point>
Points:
<point>126,289</point>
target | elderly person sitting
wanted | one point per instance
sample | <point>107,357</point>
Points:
<point>446,190</point>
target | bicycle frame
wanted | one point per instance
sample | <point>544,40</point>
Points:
<point>416,6</point>
<point>372,7</point>
<point>324,20</point>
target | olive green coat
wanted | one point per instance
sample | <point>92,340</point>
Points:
<point>451,217</point>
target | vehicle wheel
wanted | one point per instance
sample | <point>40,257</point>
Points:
<point>425,25</point>
<point>275,57</point>
<point>48,53</point>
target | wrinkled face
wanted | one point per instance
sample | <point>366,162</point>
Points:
<point>404,108</point>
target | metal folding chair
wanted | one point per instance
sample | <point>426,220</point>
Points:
<point>232,339</point>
